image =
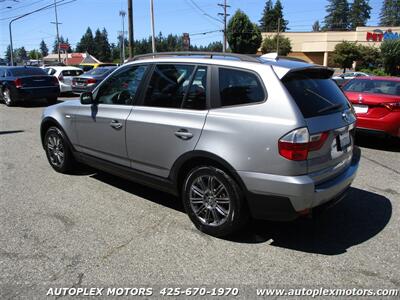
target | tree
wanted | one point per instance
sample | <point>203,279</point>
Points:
<point>390,50</point>
<point>370,57</point>
<point>44,51</point>
<point>390,13</point>
<point>69,50</point>
<point>269,45</point>
<point>278,13</point>
<point>267,18</point>
<point>359,13</point>
<point>316,27</point>
<point>271,15</point>
<point>8,53</point>
<point>345,54</point>
<point>20,55</point>
<point>243,35</point>
<point>337,17</point>
<point>86,44</point>
<point>34,54</point>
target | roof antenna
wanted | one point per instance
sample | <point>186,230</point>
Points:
<point>272,55</point>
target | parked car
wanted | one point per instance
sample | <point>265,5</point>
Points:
<point>269,138</point>
<point>376,101</point>
<point>89,80</point>
<point>87,67</point>
<point>345,77</point>
<point>18,84</point>
<point>64,75</point>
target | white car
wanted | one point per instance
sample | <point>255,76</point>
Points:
<point>64,75</point>
<point>341,79</point>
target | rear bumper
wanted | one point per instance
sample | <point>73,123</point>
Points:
<point>25,94</point>
<point>389,124</point>
<point>64,88</point>
<point>276,197</point>
<point>82,89</point>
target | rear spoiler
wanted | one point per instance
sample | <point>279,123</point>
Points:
<point>325,72</point>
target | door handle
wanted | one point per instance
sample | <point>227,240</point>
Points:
<point>115,124</point>
<point>184,134</point>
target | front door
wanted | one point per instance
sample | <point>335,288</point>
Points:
<point>169,121</point>
<point>101,127</point>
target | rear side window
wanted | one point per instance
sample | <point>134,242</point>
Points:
<point>67,73</point>
<point>27,71</point>
<point>315,93</point>
<point>387,87</point>
<point>238,87</point>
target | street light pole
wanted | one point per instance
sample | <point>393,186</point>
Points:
<point>153,40</point>
<point>122,14</point>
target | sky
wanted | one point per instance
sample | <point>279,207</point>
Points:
<point>171,16</point>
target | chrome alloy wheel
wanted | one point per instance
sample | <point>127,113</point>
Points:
<point>209,200</point>
<point>55,149</point>
<point>7,96</point>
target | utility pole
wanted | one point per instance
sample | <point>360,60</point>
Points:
<point>122,14</point>
<point>277,36</point>
<point>153,39</point>
<point>224,14</point>
<point>130,27</point>
<point>58,36</point>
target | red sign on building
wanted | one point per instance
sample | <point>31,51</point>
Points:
<point>64,46</point>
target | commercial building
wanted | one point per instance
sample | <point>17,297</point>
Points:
<point>316,47</point>
<point>72,59</point>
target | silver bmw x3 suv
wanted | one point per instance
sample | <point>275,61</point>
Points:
<point>233,136</point>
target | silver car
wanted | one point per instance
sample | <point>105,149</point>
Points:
<point>233,136</point>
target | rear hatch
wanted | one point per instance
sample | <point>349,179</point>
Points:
<point>68,75</point>
<point>329,119</point>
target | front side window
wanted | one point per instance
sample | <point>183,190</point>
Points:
<point>168,85</point>
<point>238,87</point>
<point>122,86</point>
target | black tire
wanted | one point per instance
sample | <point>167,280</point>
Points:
<point>52,100</point>
<point>8,97</point>
<point>234,217</point>
<point>67,163</point>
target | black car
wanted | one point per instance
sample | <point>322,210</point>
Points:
<point>89,80</point>
<point>19,84</point>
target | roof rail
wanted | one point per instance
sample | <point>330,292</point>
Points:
<point>242,57</point>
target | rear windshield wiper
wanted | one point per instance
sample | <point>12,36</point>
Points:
<point>334,106</point>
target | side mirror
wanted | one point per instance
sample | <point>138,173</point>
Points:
<point>86,98</point>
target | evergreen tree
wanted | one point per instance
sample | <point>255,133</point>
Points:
<point>359,13</point>
<point>278,17</point>
<point>243,36</point>
<point>316,27</point>
<point>21,55</point>
<point>86,44</point>
<point>337,17</point>
<point>69,50</point>
<point>390,13</point>
<point>44,51</point>
<point>102,49</point>
<point>97,44</point>
<point>8,53</point>
<point>267,18</point>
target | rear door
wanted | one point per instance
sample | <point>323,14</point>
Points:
<point>328,116</point>
<point>101,127</point>
<point>169,120</point>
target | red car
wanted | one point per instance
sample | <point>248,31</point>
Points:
<point>376,101</point>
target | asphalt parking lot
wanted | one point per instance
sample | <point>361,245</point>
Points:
<point>93,229</point>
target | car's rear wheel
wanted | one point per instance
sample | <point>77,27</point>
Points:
<point>8,98</point>
<point>214,201</point>
<point>58,152</point>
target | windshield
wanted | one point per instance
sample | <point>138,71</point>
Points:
<point>386,87</point>
<point>100,71</point>
<point>27,71</point>
<point>315,93</point>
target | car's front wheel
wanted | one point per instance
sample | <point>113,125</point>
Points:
<point>58,152</point>
<point>214,201</point>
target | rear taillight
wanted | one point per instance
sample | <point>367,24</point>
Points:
<point>394,106</point>
<point>18,83</point>
<point>296,144</point>
<point>61,77</point>
<point>55,80</point>
<point>90,81</point>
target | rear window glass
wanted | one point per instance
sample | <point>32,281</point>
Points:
<point>100,71</point>
<point>67,73</point>
<point>239,87</point>
<point>27,71</point>
<point>387,87</point>
<point>315,93</point>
